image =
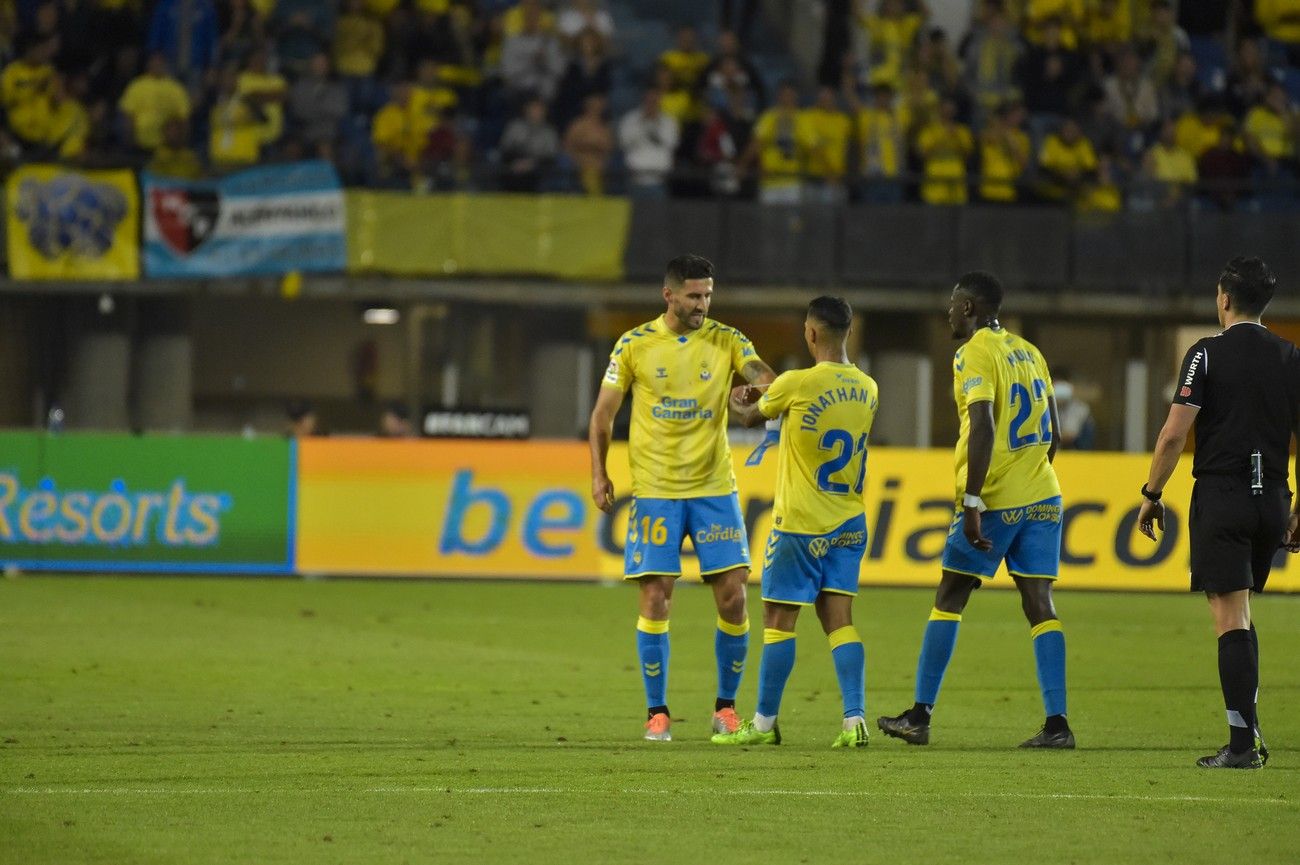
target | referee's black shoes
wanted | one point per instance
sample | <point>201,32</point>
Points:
<point>1060,739</point>
<point>1226,759</point>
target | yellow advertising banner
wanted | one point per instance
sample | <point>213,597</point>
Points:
<point>560,236</point>
<point>65,224</point>
<point>523,510</point>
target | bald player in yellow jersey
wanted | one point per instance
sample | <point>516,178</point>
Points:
<point>679,369</point>
<point>819,532</point>
<point>1008,505</point>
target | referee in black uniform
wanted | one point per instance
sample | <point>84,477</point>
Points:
<point>1241,389</point>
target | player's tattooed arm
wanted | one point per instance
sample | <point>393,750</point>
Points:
<point>757,373</point>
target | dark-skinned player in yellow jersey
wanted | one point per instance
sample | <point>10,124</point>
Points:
<point>1008,505</point>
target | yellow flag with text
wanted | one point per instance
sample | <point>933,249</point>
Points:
<point>66,224</point>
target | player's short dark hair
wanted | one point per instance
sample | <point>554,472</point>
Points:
<point>834,313</point>
<point>984,287</point>
<point>1249,282</point>
<point>685,267</point>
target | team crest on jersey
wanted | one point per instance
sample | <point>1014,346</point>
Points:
<point>705,375</point>
<point>819,547</point>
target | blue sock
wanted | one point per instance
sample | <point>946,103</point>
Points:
<point>850,659</point>
<point>652,649</point>
<point>774,670</point>
<point>936,652</point>
<point>730,646</point>
<point>1049,653</point>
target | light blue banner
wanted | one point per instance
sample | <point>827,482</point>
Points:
<point>263,221</point>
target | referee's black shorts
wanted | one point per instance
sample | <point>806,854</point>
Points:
<point>1234,534</point>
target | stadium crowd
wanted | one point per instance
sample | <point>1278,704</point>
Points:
<point>1097,104</point>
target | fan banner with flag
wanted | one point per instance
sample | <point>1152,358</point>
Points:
<point>264,221</point>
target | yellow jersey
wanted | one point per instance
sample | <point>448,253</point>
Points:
<point>999,367</point>
<point>678,446</point>
<point>822,462</point>
<point>1272,131</point>
<point>828,148</point>
<point>784,138</point>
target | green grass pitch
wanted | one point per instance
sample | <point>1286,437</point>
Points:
<point>153,720</point>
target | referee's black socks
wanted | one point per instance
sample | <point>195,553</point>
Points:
<point>1239,677</point>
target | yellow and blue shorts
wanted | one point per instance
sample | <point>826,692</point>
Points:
<point>1027,538</point>
<point>797,568</point>
<point>657,527</point>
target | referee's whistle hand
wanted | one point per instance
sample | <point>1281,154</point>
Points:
<point>1152,512</point>
<point>1292,539</point>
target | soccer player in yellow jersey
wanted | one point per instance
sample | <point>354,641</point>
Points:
<point>819,529</point>
<point>1008,505</point>
<point>679,368</point>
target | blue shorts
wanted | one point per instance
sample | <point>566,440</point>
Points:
<point>1028,538</point>
<point>656,528</point>
<point>796,568</point>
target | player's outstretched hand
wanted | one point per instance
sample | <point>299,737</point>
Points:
<point>1151,511</point>
<point>743,395</point>
<point>970,526</point>
<point>1292,540</point>
<point>602,493</point>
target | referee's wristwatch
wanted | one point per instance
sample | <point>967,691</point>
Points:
<point>1150,496</point>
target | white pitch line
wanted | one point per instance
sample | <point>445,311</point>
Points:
<point>632,791</point>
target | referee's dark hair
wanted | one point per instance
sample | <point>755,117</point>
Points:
<point>1250,284</point>
<point>685,267</point>
<point>984,287</point>
<point>833,313</point>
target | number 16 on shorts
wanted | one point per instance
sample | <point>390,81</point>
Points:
<point>656,528</point>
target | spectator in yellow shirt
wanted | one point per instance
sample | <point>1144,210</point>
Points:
<point>780,144</point>
<point>944,148</point>
<point>881,147</point>
<point>1169,166</point>
<point>679,104</point>
<point>889,34</point>
<point>1270,130</point>
<point>1280,19</point>
<point>265,91</point>
<point>429,99</point>
<point>1066,163</point>
<point>1107,25</point>
<point>358,42</point>
<point>69,126</point>
<point>25,89</point>
<point>151,100</point>
<point>829,129</point>
<point>235,140</point>
<point>1198,131</point>
<point>174,157</point>
<point>685,60</point>
<point>397,142</point>
<point>1068,13</point>
<point>1004,154</point>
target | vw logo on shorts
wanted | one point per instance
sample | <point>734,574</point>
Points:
<point>819,547</point>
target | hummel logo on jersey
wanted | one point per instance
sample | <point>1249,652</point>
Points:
<point>662,372</point>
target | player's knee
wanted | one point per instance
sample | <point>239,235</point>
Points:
<point>654,600</point>
<point>730,598</point>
